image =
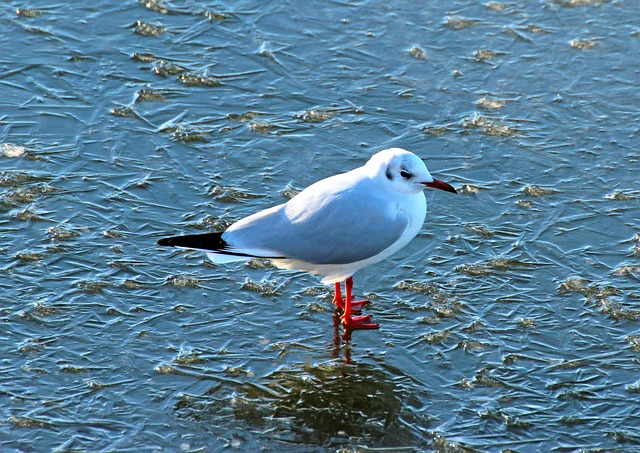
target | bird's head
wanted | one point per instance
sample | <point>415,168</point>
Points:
<point>403,171</point>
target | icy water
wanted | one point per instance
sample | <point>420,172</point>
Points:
<point>511,323</point>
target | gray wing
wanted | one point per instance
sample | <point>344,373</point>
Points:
<point>323,227</point>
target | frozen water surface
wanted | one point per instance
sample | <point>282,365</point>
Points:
<point>511,323</point>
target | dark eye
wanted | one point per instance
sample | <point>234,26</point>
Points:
<point>405,174</point>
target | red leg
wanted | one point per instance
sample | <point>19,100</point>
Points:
<point>351,321</point>
<point>356,305</point>
<point>338,301</point>
<point>337,298</point>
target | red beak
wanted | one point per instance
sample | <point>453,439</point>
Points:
<point>437,184</point>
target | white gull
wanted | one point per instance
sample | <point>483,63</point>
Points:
<point>334,227</point>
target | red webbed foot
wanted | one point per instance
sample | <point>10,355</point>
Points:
<point>359,322</point>
<point>358,305</point>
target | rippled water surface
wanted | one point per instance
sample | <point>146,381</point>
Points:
<point>511,323</point>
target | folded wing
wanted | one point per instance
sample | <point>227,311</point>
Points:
<point>321,228</point>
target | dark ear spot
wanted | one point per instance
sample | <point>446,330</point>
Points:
<point>388,174</point>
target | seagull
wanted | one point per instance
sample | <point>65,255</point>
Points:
<point>334,227</point>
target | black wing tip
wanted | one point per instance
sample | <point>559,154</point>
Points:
<point>166,242</point>
<point>212,242</point>
<point>207,241</point>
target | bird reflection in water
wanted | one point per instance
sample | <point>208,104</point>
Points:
<point>341,338</point>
